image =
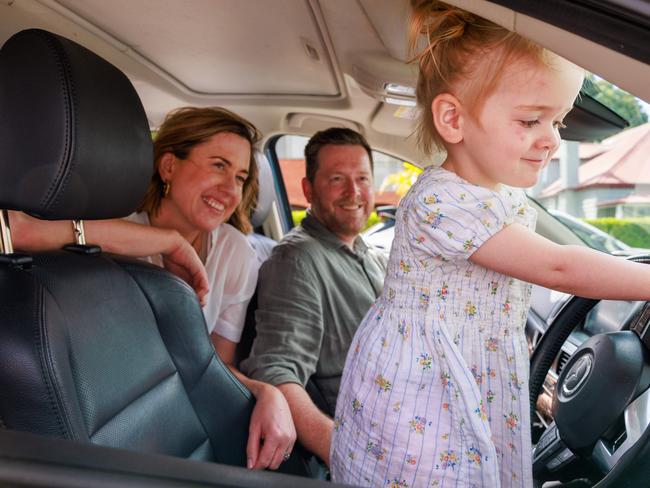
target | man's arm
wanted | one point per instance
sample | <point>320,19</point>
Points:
<point>313,426</point>
<point>286,350</point>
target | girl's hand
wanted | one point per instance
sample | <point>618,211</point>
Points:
<point>271,433</point>
<point>183,261</point>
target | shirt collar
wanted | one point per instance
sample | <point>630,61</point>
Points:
<point>316,229</point>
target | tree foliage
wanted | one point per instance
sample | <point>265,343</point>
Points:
<point>403,180</point>
<point>620,101</point>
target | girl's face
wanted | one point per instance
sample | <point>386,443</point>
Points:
<point>517,129</point>
<point>207,186</point>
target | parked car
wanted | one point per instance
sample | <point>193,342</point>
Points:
<point>297,66</point>
<point>594,237</point>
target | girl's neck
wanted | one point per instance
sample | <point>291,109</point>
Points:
<point>469,173</point>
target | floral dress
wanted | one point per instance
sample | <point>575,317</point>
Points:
<point>435,387</point>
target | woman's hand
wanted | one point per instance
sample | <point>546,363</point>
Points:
<point>271,433</point>
<point>182,260</point>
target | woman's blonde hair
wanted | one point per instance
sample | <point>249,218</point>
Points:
<point>465,55</point>
<point>187,127</point>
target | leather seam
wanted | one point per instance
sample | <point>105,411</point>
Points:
<point>131,402</point>
<point>220,363</point>
<point>205,440</point>
<point>60,182</point>
<point>248,394</point>
<point>45,361</point>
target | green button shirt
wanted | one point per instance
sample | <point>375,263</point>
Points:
<point>312,294</point>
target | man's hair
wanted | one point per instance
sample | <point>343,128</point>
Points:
<point>334,136</point>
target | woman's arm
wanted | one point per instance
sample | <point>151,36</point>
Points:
<point>116,236</point>
<point>518,252</point>
<point>271,429</point>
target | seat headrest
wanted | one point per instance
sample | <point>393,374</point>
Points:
<point>266,195</point>
<point>74,137</point>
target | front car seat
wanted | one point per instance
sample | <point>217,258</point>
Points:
<point>95,347</point>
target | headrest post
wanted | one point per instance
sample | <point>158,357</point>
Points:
<point>79,235</point>
<point>6,247</point>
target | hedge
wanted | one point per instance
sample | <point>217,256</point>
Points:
<point>634,232</point>
<point>298,215</point>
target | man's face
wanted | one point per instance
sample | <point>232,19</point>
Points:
<point>341,195</point>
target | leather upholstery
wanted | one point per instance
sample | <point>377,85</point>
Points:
<point>115,353</point>
<point>95,347</point>
<point>67,148</point>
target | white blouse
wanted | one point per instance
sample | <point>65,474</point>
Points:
<point>232,269</point>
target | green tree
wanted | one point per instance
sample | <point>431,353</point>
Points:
<point>620,101</point>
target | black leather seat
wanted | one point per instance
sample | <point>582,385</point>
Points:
<point>95,347</point>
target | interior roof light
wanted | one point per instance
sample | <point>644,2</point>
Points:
<point>400,101</point>
<point>397,89</point>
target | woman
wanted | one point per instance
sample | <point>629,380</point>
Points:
<point>198,203</point>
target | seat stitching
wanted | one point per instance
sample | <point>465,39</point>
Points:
<point>206,439</point>
<point>46,363</point>
<point>129,268</point>
<point>214,356</point>
<point>131,402</point>
<point>60,182</point>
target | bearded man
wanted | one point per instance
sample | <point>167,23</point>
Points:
<point>319,282</point>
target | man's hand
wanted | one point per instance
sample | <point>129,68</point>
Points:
<point>182,260</point>
<point>313,426</point>
<point>271,430</point>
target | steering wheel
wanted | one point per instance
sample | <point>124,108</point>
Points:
<point>601,403</point>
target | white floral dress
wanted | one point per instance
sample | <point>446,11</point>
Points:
<point>435,387</point>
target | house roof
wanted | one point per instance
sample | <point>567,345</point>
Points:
<point>625,162</point>
<point>587,151</point>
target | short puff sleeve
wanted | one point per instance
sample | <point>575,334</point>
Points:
<point>451,221</point>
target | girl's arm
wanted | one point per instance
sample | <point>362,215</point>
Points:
<point>271,420</point>
<point>115,236</point>
<point>518,252</point>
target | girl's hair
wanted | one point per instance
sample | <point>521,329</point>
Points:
<point>187,127</point>
<point>465,55</point>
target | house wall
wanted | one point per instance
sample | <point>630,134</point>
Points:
<point>583,203</point>
<point>548,176</point>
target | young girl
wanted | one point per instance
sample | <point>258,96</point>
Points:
<point>435,387</point>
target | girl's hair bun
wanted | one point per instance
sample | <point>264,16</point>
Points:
<point>439,23</point>
<point>464,54</point>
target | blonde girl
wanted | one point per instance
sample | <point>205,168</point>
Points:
<point>435,387</point>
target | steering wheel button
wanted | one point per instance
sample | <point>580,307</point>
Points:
<point>554,463</point>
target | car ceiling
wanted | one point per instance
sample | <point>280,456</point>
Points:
<point>289,65</point>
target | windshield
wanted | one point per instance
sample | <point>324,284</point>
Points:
<point>590,235</point>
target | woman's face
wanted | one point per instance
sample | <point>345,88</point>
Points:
<point>207,186</point>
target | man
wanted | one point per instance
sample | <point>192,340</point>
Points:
<point>317,285</point>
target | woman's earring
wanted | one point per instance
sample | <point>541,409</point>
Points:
<point>165,189</point>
